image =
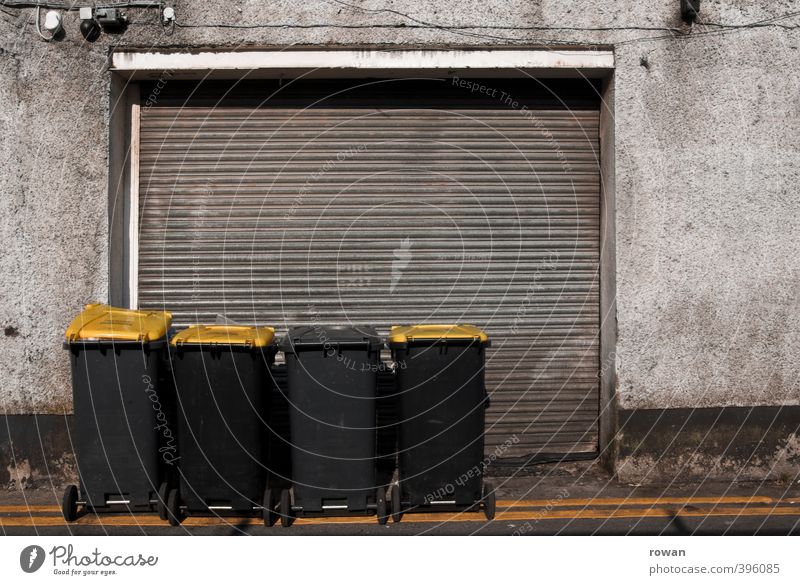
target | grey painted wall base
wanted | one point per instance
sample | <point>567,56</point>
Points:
<point>36,451</point>
<point>685,444</point>
<point>654,446</point>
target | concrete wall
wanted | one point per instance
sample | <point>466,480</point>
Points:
<point>707,164</point>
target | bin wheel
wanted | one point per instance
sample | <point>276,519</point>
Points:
<point>383,512</point>
<point>286,509</point>
<point>69,503</point>
<point>268,508</point>
<point>161,506</point>
<point>174,508</point>
<point>397,506</point>
<point>489,501</point>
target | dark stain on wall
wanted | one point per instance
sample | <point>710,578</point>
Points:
<point>689,444</point>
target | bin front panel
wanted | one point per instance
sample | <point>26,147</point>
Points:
<point>442,397</point>
<point>223,399</point>
<point>332,416</point>
<point>117,400</point>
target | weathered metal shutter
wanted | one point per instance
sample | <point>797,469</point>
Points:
<point>391,203</point>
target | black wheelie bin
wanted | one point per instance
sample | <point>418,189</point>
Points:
<point>223,386</point>
<point>332,381</point>
<point>122,435</point>
<point>441,397</point>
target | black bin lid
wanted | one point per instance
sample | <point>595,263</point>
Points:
<point>318,336</point>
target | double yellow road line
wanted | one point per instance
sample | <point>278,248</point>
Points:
<point>507,511</point>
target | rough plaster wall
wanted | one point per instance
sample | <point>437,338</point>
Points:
<point>53,210</point>
<point>707,166</point>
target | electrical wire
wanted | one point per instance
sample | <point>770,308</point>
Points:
<point>472,30</point>
<point>38,25</point>
<point>772,21</point>
<point>418,23</point>
<point>465,31</point>
<point>425,26</point>
<point>9,18</point>
<point>496,38</point>
<point>759,23</point>
<point>74,7</point>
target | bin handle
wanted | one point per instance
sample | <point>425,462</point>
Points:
<point>247,342</point>
<point>333,344</point>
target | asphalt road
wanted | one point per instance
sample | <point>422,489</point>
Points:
<point>680,514</point>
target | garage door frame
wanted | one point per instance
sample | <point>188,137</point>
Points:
<point>129,67</point>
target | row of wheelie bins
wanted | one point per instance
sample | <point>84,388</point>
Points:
<point>181,422</point>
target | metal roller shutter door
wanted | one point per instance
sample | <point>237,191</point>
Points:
<point>326,202</point>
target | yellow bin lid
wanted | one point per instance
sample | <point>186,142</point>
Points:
<point>406,333</point>
<point>225,335</point>
<point>100,322</point>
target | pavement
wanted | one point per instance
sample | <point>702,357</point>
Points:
<point>574,499</point>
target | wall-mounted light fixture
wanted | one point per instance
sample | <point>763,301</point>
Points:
<point>690,9</point>
<point>90,29</point>
<point>94,19</point>
<point>110,18</point>
<point>168,15</point>
<point>53,22</point>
